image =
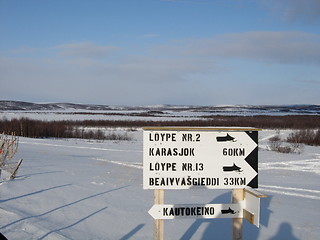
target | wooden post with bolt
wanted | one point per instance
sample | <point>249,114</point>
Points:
<point>158,224</point>
<point>237,196</point>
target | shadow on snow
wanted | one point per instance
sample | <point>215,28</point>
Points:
<point>61,207</point>
<point>221,229</point>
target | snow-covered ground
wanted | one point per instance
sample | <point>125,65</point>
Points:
<point>76,189</point>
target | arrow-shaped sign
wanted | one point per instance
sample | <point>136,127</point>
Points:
<point>249,209</point>
<point>171,211</point>
<point>212,159</point>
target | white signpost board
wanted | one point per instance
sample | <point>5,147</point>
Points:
<point>184,158</point>
<point>172,211</point>
<point>213,158</point>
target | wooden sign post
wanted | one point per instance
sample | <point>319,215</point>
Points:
<point>158,224</point>
<point>211,158</point>
<point>237,196</point>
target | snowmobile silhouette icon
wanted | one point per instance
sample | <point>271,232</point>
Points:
<point>228,211</point>
<point>234,168</point>
<point>226,139</point>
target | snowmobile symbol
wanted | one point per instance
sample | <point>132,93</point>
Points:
<point>228,211</point>
<point>234,168</point>
<point>226,138</point>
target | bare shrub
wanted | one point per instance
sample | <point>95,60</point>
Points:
<point>297,147</point>
<point>276,139</point>
<point>276,144</point>
<point>118,137</point>
<point>8,148</point>
<point>284,149</point>
<point>98,134</point>
<point>306,136</point>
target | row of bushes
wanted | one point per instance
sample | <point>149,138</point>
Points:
<point>293,143</point>
<point>98,135</point>
<point>307,136</point>
<point>266,122</point>
<point>26,127</point>
<point>70,129</point>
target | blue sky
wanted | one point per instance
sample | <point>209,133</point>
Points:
<point>146,52</point>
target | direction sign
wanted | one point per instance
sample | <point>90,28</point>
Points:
<point>183,158</point>
<point>172,211</point>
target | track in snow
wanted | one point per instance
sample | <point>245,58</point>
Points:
<point>307,165</point>
<point>131,165</point>
<point>290,191</point>
<point>80,147</point>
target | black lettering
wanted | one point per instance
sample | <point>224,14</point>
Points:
<point>158,152</point>
<point>189,181</point>
<point>225,181</point>
<point>175,151</point>
<point>150,137</point>
<point>235,181</point>
<point>184,137</point>
<point>154,152</point>
<point>211,210</point>
<point>150,168</point>
<point>163,182</point>
<point>171,212</point>
<point>177,181</point>
<point>169,152</point>
<point>165,211</point>
<point>151,153</point>
<point>188,211</point>
<point>174,166</point>
<point>176,211</point>
<point>151,181</point>
<point>191,151</point>
<point>162,137</point>
<point>200,166</point>
<point>184,167</point>
<point>198,137</point>
<point>193,211</point>
<point>241,152</point>
<point>163,152</point>
<point>171,181</point>
<point>206,211</point>
<point>188,137</point>
<point>182,211</point>
<point>173,137</point>
<point>199,210</point>
<point>233,151</point>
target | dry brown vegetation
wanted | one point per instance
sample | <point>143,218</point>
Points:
<point>8,148</point>
<point>307,136</point>
<point>70,129</point>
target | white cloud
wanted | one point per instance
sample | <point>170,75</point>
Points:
<point>307,11</point>
<point>24,50</point>
<point>198,71</point>
<point>279,47</point>
<point>85,50</point>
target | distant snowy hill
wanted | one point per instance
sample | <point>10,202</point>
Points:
<point>223,109</point>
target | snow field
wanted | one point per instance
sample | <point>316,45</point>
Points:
<point>77,189</point>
